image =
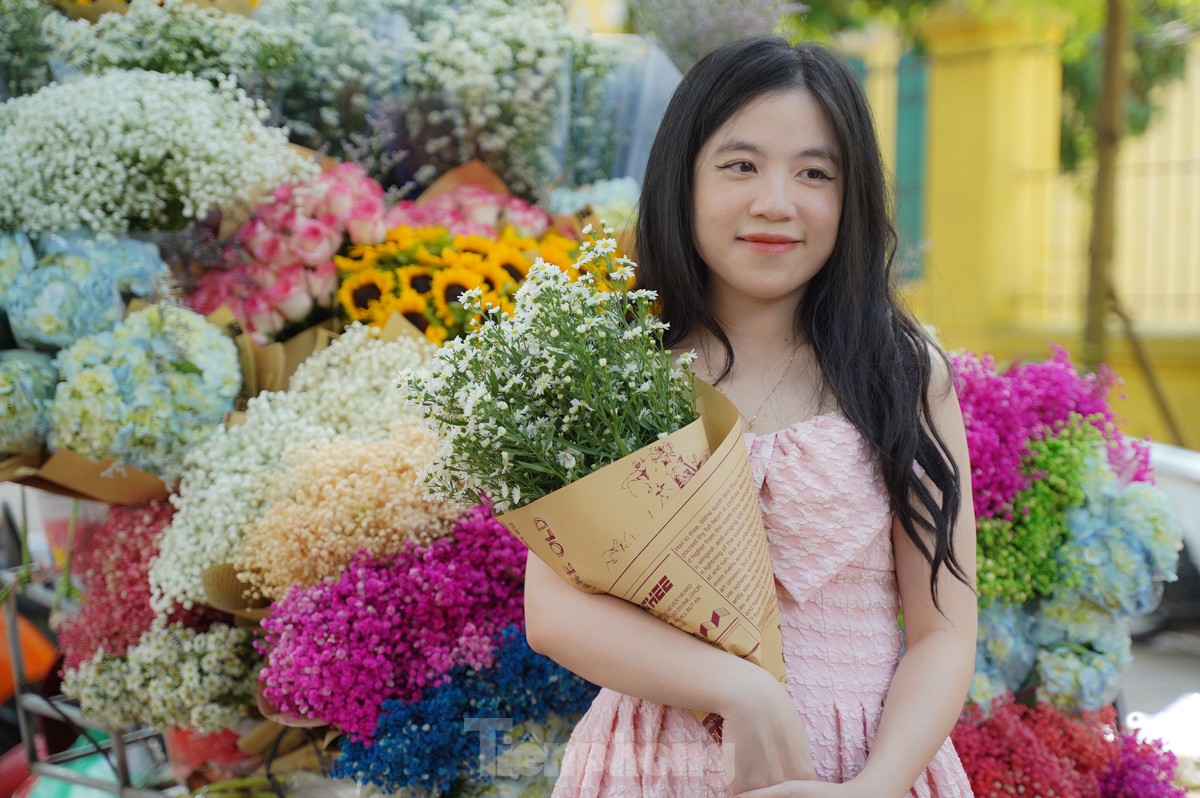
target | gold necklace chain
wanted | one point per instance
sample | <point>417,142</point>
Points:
<point>708,372</point>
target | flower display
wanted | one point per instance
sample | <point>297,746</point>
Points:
<point>1016,749</point>
<point>338,498</point>
<point>345,389</point>
<point>156,36</point>
<point>614,199</point>
<point>16,256</point>
<point>135,150</point>
<point>27,381</point>
<point>111,566</point>
<point>174,676</point>
<point>472,210</point>
<point>145,392</point>
<point>495,398</point>
<point>136,266</point>
<point>24,64</point>
<point>279,274</point>
<point>390,627</point>
<point>490,80</point>
<point>688,30</point>
<point>422,273</point>
<point>434,744</point>
<point>1072,536</point>
<point>352,58</point>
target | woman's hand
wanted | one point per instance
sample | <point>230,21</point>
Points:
<point>764,741</point>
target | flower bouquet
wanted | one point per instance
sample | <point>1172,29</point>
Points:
<point>570,416</point>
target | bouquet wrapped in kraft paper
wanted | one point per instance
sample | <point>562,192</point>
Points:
<point>606,457</point>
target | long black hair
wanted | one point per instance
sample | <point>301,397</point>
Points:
<point>874,358</point>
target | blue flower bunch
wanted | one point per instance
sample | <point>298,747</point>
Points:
<point>474,726</point>
<point>75,287</point>
<point>27,382</point>
<point>1005,653</point>
<point>146,391</point>
<point>1084,651</point>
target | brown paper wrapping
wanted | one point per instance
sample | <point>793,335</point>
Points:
<point>676,529</point>
<point>224,591</point>
<point>270,367</point>
<point>69,474</point>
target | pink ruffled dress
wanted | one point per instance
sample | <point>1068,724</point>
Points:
<point>829,527</point>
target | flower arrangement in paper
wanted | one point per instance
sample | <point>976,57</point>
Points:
<point>135,151</point>
<point>144,393</point>
<point>278,273</point>
<point>422,274</point>
<point>346,389</point>
<point>574,379</point>
<point>1072,536</point>
<point>174,676</point>
<point>27,381</point>
<point>471,210</point>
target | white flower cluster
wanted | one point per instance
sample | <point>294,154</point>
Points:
<point>147,391</point>
<point>23,50</point>
<point>135,151</point>
<point>176,37</point>
<point>353,56</point>
<point>574,379</point>
<point>346,389</point>
<point>174,676</point>
<point>492,80</point>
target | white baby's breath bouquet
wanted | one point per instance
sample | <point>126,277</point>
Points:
<point>135,151</point>
<point>576,378</point>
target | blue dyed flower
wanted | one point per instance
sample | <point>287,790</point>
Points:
<point>1075,679</point>
<point>16,256</point>
<point>27,382</point>
<point>1005,649</point>
<point>134,265</point>
<point>62,299</point>
<point>147,391</point>
<point>436,743</point>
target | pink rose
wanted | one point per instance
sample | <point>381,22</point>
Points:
<point>528,220</point>
<point>314,241</point>
<point>213,289</point>
<point>262,243</point>
<point>339,197</point>
<point>322,282</point>
<point>262,318</point>
<point>367,221</point>
<point>290,295</point>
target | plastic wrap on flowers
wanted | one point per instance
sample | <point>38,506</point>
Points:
<point>392,627</point>
<point>491,80</point>
<point>620,88</point>
<point>435,743</point>
<point>27,381</point>
<point>143,394</point>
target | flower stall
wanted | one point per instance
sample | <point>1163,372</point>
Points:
<point>225,234</point>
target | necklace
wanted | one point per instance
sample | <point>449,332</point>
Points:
<point>708,372</point>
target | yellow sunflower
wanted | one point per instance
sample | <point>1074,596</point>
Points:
<point>417,279</point>
<point>514,239</point>
<point>362,291</point>
<point>480,245</point>
<point>512,260</point>
<point>411,306</point>
<point>437,334</point>
<point>560,251</point>
<point>426,258</point>
<point>448,285</point>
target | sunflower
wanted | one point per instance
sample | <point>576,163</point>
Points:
<point>437,334</point>
<point>417,279</point>
<point>426,258</point>
<point>512,261</point>
<point>356,262</point>
<point>411,306</point>
<point>448,285</point>
<point>559,250</point>
<point>362,291</point>
<point>512,238</point>
<point>479,245</point>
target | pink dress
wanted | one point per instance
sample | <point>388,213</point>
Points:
<point>829,527</point>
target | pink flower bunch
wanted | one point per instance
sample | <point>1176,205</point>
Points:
<point>1003,411</point>
<point>472,210</point>
<point>278,268</point>
<point>390,627</point>
<point>1142,770</point>
<point>112,566</point>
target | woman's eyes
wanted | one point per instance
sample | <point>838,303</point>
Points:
<point>747,168</point>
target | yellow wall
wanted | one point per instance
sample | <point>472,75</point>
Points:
<point>998,214</point>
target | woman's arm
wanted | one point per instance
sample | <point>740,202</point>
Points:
<point>931,681</point>
<point>612,643</point>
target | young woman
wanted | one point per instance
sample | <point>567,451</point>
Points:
<point>764,227</point>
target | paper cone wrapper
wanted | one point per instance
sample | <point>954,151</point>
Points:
<point>224,591</point>
<point>67,473</point>
<point>676,529</point>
